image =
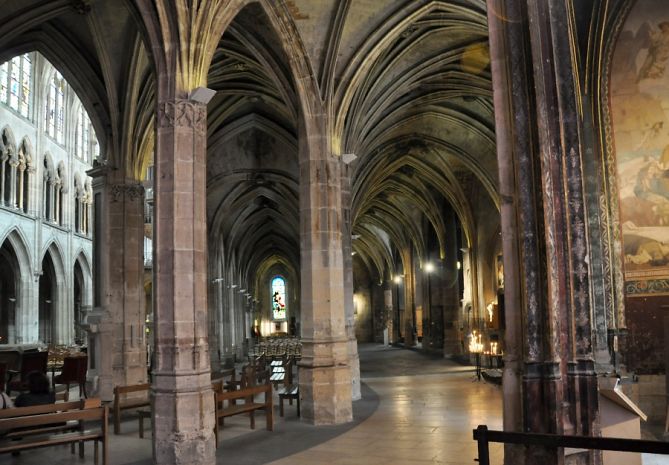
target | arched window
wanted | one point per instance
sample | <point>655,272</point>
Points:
<point>278,289</point>
<point>54,108</point>
<point>82,145</point>
<point>16,83</point>
<point>86,144</point>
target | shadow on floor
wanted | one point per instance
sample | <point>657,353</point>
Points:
<point>289,437</point>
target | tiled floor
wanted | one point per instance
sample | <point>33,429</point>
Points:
<point>416,409</point>
<point>426,413</point>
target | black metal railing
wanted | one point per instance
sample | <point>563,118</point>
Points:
<point>484,436</point>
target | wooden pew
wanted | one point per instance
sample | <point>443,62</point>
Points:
<point>122,403</point>
<point>51,425</point>
<point>227,405</point>
<point>38,410</point>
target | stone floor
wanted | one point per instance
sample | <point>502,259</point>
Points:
<point>416,409</point>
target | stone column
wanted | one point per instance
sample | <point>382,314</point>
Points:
<point>120,323</point>
<point>388,317</point>
<point>548,327</point>
<point>450,289</point>
<point>3,167</point>
<point>58,194</point>
<point>32,197</point>
<point>409,290</point>
<point>52,201</point>
<point>21,171</point>
<point>84,209</point>
<point>353,357</point>
<point>13,165</point>
<point>325,376</point>
<point>183,413</point>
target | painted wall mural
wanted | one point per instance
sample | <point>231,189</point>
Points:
<point>640,116</point>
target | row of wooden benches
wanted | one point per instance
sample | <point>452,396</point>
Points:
<point>230,399</point>
<point>61,423</point>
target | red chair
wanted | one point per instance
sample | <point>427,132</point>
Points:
<point>74,372</point>
<point>30,361</point>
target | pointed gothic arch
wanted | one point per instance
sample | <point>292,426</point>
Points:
<point>83,293</point>
<point>54,320</point>
<point>15,272</point>
<point>17,253</point>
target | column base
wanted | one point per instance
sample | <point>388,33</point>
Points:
<point>325,394</point>
<point>184,428</point>
<point>354,363</point>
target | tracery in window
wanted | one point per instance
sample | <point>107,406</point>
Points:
<point>54,108</point>
<point>4,75</point>
<point>26,73</point>
<point>83,128</point>
<point>86,144</point>
<point>16,83</point>
<point>278,289</point>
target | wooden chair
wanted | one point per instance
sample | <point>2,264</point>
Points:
<point>30,361</point>
<point>290,390</point>
<point>122,402</point>
<point>74,372</point>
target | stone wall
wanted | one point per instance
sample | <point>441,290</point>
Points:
<point>362,301</point>
<point>644,344</point>
<point>649,394</point>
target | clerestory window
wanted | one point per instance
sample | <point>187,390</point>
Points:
<point>16,84</point>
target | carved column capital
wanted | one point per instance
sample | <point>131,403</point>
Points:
<point>184,114</point>
<point>131,191</point>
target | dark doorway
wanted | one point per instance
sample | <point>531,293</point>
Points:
<point>47,299</point>
<point>9,287</point>
<point>78,293</point>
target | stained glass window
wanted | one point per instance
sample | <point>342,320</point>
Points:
<point>14,79</point>
<point>16,83</point>
<point>4,73</point>
<point>82,140</point>
<point>278,298</point>
<point>54,109</point>
<point>26,70</point>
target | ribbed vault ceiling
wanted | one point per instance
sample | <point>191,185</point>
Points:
<point>407,85</point>
<point>252,182</point>
<point>421,123</point>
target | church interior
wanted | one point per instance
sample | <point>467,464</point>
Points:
<point>411,216</point>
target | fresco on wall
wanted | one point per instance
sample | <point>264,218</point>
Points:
<point>640,117</point>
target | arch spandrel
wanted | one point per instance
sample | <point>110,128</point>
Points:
<point>18,241</point>
<point>54,249</point>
